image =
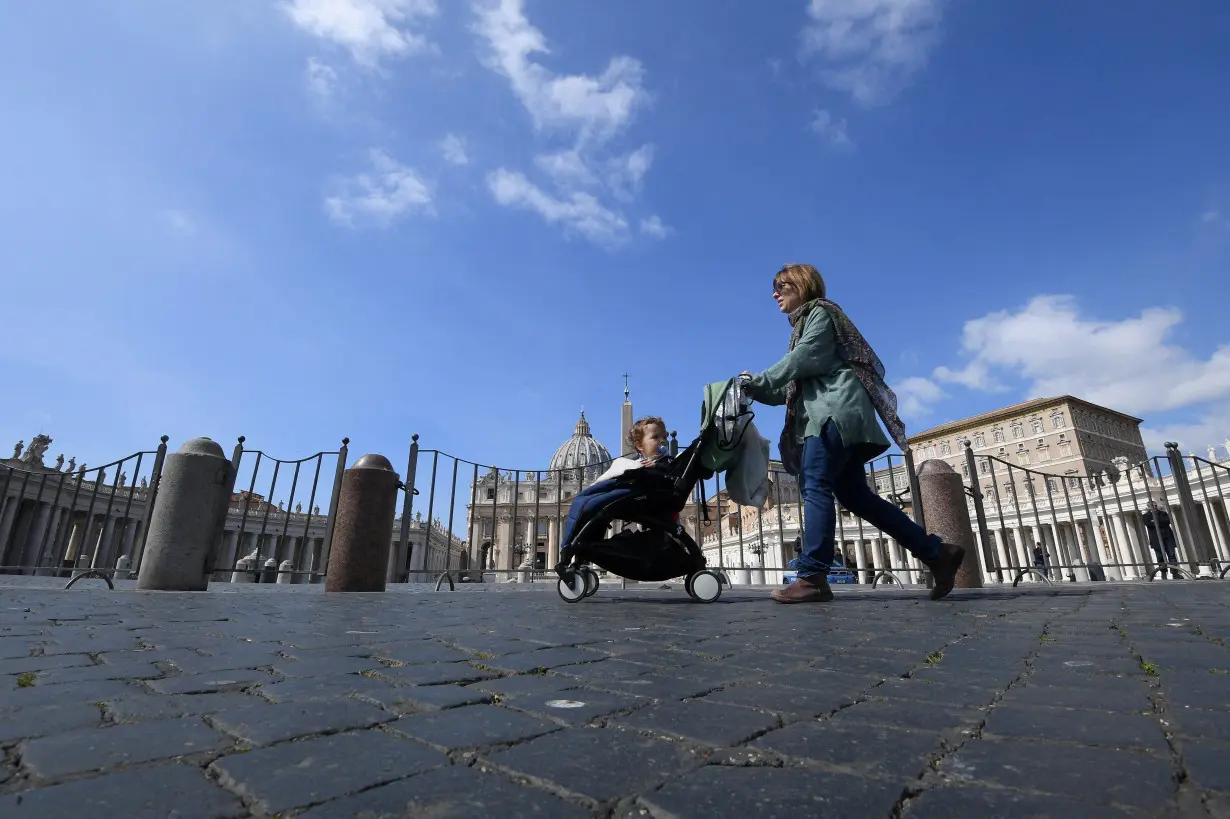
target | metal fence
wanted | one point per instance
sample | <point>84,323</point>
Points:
<point>1163,516</point>
<point>57,522</point>
<point>268,535</point>
<point>507,524</point>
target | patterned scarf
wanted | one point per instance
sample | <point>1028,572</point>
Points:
<point>869,370</point>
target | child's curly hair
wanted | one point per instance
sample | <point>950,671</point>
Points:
<point>637,434</point>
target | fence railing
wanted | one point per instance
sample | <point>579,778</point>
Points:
<point>267,536</point>
<point>1166,515</point>
<point>56,522</point>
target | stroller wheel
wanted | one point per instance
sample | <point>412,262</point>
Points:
<point>705,586</point>
<point>572,588</point>
<point>591,580</point>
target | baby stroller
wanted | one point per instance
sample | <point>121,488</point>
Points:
<point>662,549</point>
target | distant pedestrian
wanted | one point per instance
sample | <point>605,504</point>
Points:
<point>832,384</point>
<point>1040,561</point>
<point>1161,538</point>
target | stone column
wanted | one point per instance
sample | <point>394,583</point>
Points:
<point>860,559</point>
<point>187,522</point>
<point>1001,554</point>
<point>553,536</point>
<point>51,556</point>
<point>504,542</point>
<point>99,560</point>
<point>1214,532</point>
<point>29,555</point>
<point>942,496</point>
<point>363,528</point>
<point>1125,551</point>
<point>6,521</point>
<point>137,550</point>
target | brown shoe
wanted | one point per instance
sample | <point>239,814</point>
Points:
<point>944,569</point>
<point>814,589</point>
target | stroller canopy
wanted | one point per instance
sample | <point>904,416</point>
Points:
<point>727,410</point>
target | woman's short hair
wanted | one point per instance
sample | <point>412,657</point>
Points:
<point>637,433</point>
<point>804,278</point>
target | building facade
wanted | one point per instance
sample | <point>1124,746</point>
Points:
<point>1064,437</point>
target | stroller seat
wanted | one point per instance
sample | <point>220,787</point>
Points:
<point>652,498</point>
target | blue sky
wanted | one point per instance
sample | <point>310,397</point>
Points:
<point>298,221</point>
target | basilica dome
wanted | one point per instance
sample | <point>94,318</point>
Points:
<point>582,451</point>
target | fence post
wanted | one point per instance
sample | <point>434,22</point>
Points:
<point>364,527</point>
<point>331,519</point>
<point>188,521</point>
<point>980,513</point>
<point>407,507</point>
<point>155,478</point>
<point>916,504</point>
<point>942,494</point>
<point>1187,502</point>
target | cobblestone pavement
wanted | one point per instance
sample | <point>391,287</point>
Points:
<point>1099,700</point>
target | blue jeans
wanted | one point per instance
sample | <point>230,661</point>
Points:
<point>588,500</point>
<point>827,471</point>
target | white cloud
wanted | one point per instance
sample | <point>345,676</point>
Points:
<point>627,172</point>
<point>321,78</point>
<point>567,168</point>
<point>368,29</point>
<point>589,111</point>
<point>180,222</point>
<point>831,129</point>
<point>870,48</point>
<point>598,105</point>
<point>1214,218</point>
<point>915,396</point>
<point>388,191</point>
<point>453,148</point>
<point>580,212</point>
<point>653,226</point>
<point>1131,364</point>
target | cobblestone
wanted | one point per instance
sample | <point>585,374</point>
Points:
<point>1078,700</point>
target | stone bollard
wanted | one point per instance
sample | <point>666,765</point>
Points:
<point>270,573</point>
<point>243,571</point>
<point>363,529</point>
<point>121,566</point>
<point>284,575</point>
<point>187,520</point>
<point>943,501</point>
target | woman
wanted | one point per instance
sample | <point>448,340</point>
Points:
<point>832,384</point>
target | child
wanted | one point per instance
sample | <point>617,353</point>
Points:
<point>648,438</point>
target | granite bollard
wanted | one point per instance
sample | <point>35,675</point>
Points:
<point>284,572</point>
<point>363,529</point>
<point>942,495</point>
<point>187,520</point>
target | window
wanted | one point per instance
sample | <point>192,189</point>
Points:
<point>1074,482</point>
<point>1051,485</point>
<point>965,470</point>
<point>945,448</point>
<point>1036,425</point>
<point>1057,420</point>
<point>1044,453</point>
<point>982,467</point>
<point>998,435</point>
<point>930,450</point>
<point>980,439</point>
<point>1065,449</point>
<point>490,493</point>
<point>1022,458</point>
<point>1018,431</point>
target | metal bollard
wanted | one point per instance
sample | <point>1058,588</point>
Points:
<point>187,520</point>
<point>363,530</point>
<point>942,496</point>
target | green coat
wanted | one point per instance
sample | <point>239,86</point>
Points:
<point>829,389</point>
